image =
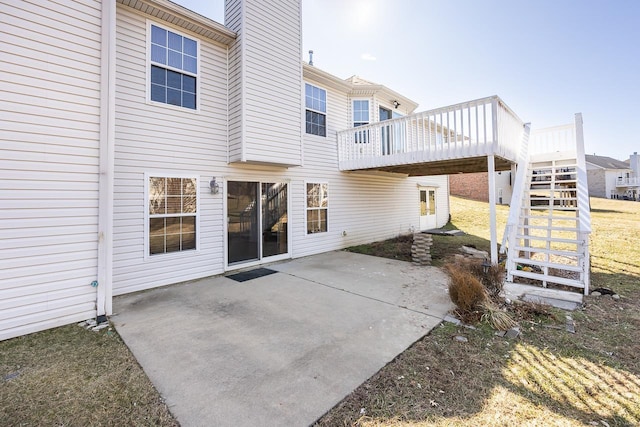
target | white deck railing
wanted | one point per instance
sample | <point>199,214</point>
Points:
<point>627,182</point>
<point>470,129</point>
<point>569,141</point>
<point>553,140</point>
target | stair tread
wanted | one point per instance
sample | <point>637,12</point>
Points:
<point>544,227</point>
<point>553,279</point>
<point>537,195</point>
<point>548,182</point>
<point>548,238</point>
<point>548,251</point>
<point>558,208</point>
<point>547,264</point>
<point>552,218</point>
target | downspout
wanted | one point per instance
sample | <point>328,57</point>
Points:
<point>106,153</point>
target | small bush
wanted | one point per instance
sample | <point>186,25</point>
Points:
<point>465,290</point>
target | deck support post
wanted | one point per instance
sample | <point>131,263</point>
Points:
<point>491,166</point>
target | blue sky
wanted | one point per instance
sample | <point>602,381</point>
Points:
<point>547,59</point>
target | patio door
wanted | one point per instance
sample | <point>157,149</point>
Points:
<point>257,220</point>
<point>385,114</point>
<point>427,208</point>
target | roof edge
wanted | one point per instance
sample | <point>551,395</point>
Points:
<point>182,17</point>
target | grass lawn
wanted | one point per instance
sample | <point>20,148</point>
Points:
<point>71,376</point>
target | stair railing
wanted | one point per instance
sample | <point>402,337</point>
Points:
<point>517,197</point>
<point>584,208</point>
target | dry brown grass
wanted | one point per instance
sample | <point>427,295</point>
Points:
<point>492,279</point>
<point>70,376</point>
<point>465,290</point>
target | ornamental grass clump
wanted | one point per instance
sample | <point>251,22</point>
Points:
<point>474,299</point>
<point>497,318</point>
<point>465,290</point>
<point>492,279</point>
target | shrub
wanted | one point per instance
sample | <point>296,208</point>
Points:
<point>465,290</point>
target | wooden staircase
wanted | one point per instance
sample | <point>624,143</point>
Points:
<point>549,223</point>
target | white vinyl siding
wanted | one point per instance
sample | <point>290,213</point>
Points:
<point>266,82</point>
<point>49,145</point>
<point>152,137</point>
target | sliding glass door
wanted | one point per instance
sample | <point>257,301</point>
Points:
<point>257,220</point>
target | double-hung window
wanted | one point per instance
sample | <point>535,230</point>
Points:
<point>316,110</point>
<point>174,68</point>
<point>317,206</point>
<point>360,118</point>
<point>172,213</point>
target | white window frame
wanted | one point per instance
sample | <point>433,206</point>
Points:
<point>326,103</point>
<point>197,75</point>
<point>147,216</point>
<point>353,111</point>
<point>307,208</point>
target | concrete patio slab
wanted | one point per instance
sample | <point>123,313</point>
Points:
<point>281,349</point>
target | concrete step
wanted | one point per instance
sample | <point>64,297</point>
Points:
<point>565,300</point>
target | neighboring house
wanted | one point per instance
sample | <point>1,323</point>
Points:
<point>475,186</point>
<point>143,145</point>
<point>613,179</point>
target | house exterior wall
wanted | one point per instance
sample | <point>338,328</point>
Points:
<point>164,140</point>
<point>597,182</point>
<point>154,138</point>
<point>475,186</point>
<point>49,133</point>
<point>52,142</point>
<point>266,94</point>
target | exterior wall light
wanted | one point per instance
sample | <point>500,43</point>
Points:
<point>396,104</point>
<point>214,186</point>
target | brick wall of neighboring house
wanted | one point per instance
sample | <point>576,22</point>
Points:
<point>470,185</point>
<point>597,183</point>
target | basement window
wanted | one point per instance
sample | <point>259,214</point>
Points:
<point>172,214</point>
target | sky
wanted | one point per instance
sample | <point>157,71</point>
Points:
<point>547,59</point>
